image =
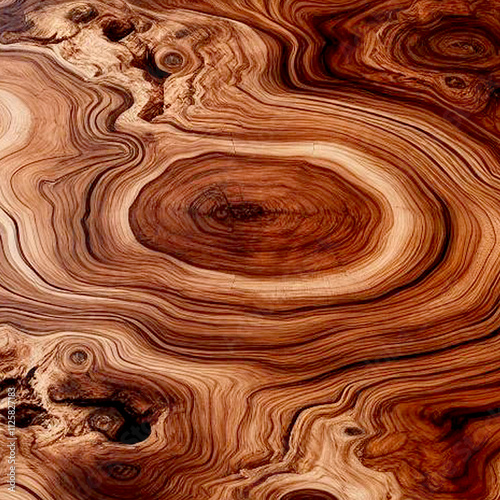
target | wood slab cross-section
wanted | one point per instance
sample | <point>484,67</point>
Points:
<point>250,250</point>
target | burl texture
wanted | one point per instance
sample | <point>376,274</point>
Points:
<point>249,249</point>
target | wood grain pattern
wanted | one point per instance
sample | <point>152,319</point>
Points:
<point>248,249</point>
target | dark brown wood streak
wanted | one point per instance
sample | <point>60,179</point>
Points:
<point>249,249</point>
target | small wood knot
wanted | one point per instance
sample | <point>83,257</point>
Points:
<point>173,59</point>
<point>122,471</point>
<point>78,357</point>
<point>353,431</point>
<point>82,14</point>
<point>107,421</point>
<point>455,82</point>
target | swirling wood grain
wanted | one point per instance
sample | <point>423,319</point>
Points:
<point>248,249</point>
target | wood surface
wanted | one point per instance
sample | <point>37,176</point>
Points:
<point>249,249</point>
